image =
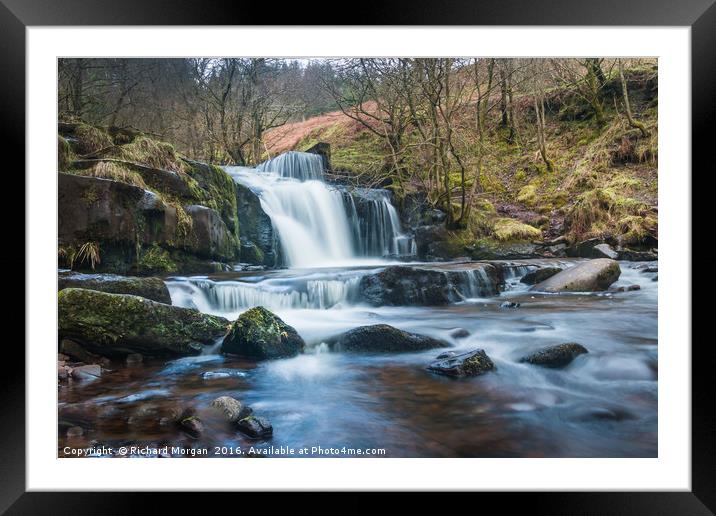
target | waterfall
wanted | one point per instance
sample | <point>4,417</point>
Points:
<point>319,224</point>
<point>296,165</point>
<point>313,292</point>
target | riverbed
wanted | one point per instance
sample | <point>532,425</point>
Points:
<point>604,404</point>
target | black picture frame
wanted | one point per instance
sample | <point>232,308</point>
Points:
<point>17,15</point>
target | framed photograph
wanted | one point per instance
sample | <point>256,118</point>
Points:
<point>390,256</point>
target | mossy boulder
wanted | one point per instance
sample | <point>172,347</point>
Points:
<point>382,338</point>
<point>260,335</point>
<point>260,242</point>
<point>555,356</point>
<point>150,288</point>
<point>590,276</point>
<point>472,363</point>
<point>211,237</point>
<point>119,324</point>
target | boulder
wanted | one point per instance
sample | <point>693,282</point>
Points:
<point>401,285</point>
<point>259,334</point>
<point>86,372</point>
<point>150,288</point>
<point>255,426</point>
<point>232,409</point>
<point>382,338</point>
<point>78,352</point>
<point>586,249</point>
<point>210,236</point>
<point>593,275</point>
<point>119,324</point>
<point>540,274</point>
<point>555,356</point>
<point>471,363</point>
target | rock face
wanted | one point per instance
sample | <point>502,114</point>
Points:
<point>540,274</point>
<point>93,208</point>
<point>472,363</point>
<point>119,324</point>
<point>260,335</point>
<point>150,288</point>
<point>400,285</point>
<point>382,338</point>
<point>259,242</point>
<point>211,238</point>
<point>556,356</point>
<point>590,276</point>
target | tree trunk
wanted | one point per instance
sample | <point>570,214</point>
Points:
<point>627,107</point>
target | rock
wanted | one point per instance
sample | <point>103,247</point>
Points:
<point>192,425</point>
<point>74,431</point>
<point>63,371</point>
<point>134,358</point>
<point>655,278</point>
<point>446,354</point>
<point>650,269</point>
<point>628,288</point>
<point>632,255</point>
<point>87,372</point>
<point>504,251</point>
<point>232,409</point>
<point>259,334</point>
<point>472,363</point>
<point>401,285</point>
<point>76,351</point>
<point>96,209</point>
<point>119,324</point>
<point>540,274</point>
<point>382,338</point>
<point>509,304</point>
<point>604,251</point>
<point>459,333</point>
<point>592,248</point>
<point>593,275</point>
<point>254,426</point>
<point>323,149</point>
<point>151,288</point>
<point>210,235</point>
<point>257,230</point>
<point>555,356</point>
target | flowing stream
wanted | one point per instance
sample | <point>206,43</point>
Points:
<point>604,404</point>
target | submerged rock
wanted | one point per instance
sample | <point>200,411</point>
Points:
<point>192,425</point>
<point>555,356</point>
<point>593,275</point>
<point>86,372</point>
<point>382,338</point>
<point>150,288</point>
<point>540,274</point>
<point>232,409</point>
<point>259,334</point>
<point>627,288</point>
<point>459,333</point>
<point>255,426</point>
<point>472,363</point>
<point>509,304</point>
<point>401,285</point>
<point>119,324</point>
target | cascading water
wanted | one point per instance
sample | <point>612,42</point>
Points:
<point>319,224</point>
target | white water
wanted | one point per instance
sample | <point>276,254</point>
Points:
<point>319,225</point>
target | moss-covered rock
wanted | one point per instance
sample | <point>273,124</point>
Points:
<point>150,288</point>
<point>472,363</point>
<point>259,241</point>
<point>119,324</point>
<point>589,276</point>
<point>382,338</point>
<point>259,334</point>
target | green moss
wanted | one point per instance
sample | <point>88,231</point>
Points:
<point>510,230</point>
<point>156,259</point>
<point>90,139</point>
<point>528,195</point>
